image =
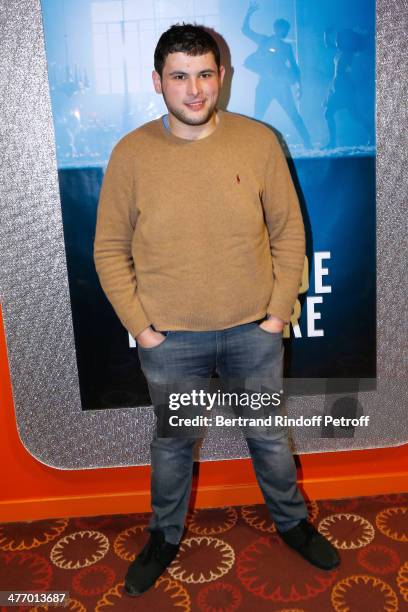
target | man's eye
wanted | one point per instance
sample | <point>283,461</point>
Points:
<point>179,77</point>
<point>205,75</point>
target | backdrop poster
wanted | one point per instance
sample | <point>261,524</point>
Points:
<point>307,70</point>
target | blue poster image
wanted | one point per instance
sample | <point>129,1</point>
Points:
<point>307,71</point>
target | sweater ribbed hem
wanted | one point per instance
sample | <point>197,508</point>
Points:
<point>187,324</point>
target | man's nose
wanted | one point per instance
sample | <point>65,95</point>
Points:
<point>193,86</point>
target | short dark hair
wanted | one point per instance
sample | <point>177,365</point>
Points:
<point>186,38</point>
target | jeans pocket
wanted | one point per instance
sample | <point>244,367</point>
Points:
<point>267,333</point>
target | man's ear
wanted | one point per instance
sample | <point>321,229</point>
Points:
<point>157,82</point>
<point>222,74</point>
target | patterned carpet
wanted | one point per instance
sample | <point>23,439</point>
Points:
<point>230,559</point>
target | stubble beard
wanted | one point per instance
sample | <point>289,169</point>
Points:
<point>183,117</point>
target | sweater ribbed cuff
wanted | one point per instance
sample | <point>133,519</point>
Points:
<point>280,309</point>
<point>138,322</point>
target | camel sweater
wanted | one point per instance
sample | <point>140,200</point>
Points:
<point>199,234</point>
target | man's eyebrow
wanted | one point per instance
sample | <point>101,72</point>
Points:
<point>200,72</point>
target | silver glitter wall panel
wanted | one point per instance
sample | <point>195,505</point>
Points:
<point>34,287</point>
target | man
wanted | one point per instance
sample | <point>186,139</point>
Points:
<point>200,247</point>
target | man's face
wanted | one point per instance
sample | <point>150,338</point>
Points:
<point>190,86</point>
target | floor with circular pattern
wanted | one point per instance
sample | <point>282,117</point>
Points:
<point>230,559</point>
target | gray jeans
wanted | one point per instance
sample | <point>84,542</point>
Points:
<point>185,360</point>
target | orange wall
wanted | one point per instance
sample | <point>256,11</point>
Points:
<point>30,490</point>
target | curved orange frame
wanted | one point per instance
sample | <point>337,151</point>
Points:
<point>31,490</point>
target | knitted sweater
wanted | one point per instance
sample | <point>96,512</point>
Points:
<point>199,234</point>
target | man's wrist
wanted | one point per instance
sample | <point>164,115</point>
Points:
<point>270,317</point>
<point>143,332</point>
<point>273,324</point>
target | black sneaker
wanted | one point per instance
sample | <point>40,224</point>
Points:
<point>314,547</point>
<point>149,564</point>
